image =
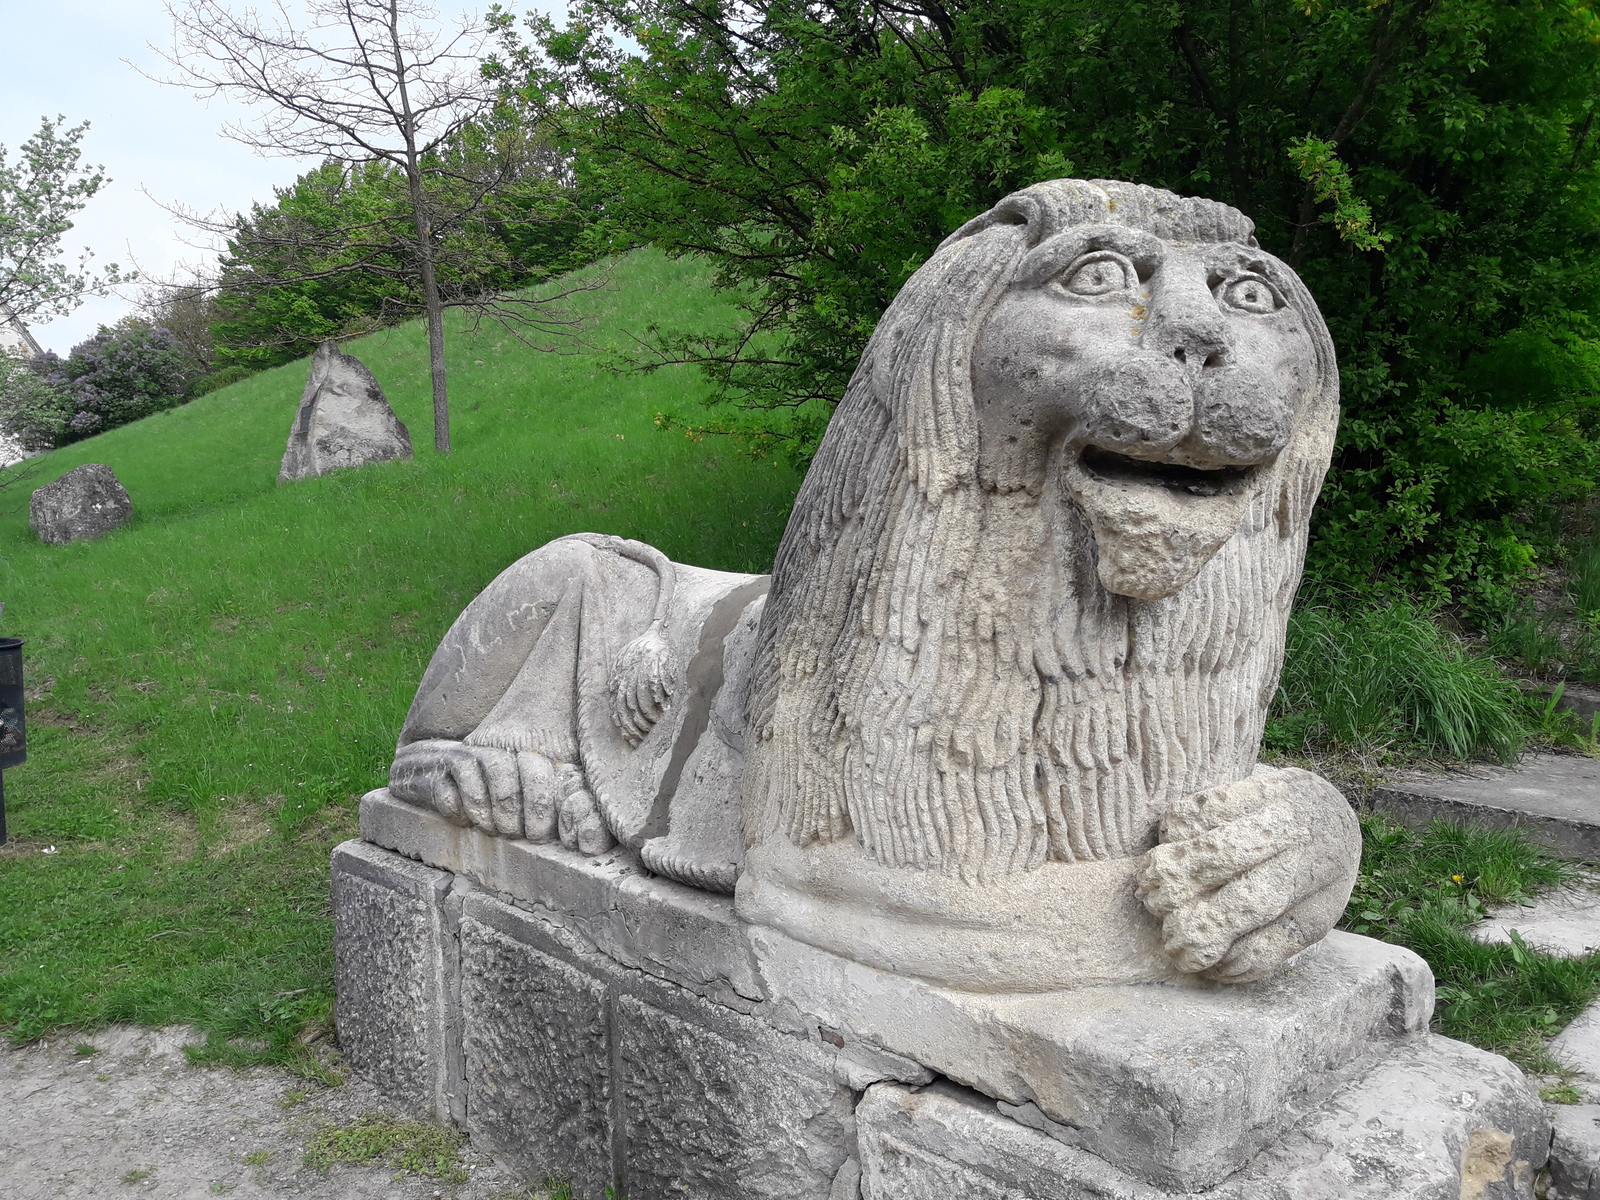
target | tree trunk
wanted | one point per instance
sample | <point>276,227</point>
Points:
<point>419,212</point>
<point>435,311</point>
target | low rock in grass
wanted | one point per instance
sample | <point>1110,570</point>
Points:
<point>84,503</point>
<point>344,420</point>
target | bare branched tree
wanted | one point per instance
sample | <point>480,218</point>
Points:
<point>360,81</point>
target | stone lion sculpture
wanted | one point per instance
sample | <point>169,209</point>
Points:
<point>994,718</point>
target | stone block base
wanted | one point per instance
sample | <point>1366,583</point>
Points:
<point>585,1020</point>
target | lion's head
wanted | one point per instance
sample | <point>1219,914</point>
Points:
<point>1035,585</point>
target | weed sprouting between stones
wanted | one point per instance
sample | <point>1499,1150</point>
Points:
<point>1425,890</point>
<point>411,1146</point>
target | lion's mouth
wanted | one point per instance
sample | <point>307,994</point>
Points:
<point>1111,467</point>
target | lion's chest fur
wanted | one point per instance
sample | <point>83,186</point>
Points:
<point>986,705</point>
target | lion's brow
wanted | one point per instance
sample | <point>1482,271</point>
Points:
<point>1051,255</point>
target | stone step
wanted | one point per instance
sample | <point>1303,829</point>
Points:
<point>1566,922</point>
<point>1436,1119</point>
<point>1553,798</point>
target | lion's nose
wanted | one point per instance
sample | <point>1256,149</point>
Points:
<point>1186,325</point>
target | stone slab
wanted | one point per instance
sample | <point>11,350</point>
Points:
<point>604,1075</point>
<point>1437,1120</point>
<point>397,982</point>
<point>1578,1048</point>
<point>663,928</point>
<point>1183,1083</point>
<point>1564,921</point>
<point>538,1064</point>
<point>1553,798</point>
<point>1575,1152</point>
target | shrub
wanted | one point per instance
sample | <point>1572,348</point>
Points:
<point>124,372</point>
<point>33,408</point>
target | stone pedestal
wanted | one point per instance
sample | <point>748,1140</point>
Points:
<point>583,1019</point>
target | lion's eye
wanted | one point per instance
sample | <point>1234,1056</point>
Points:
<point>1099,275</point>
<point>1251,295</point>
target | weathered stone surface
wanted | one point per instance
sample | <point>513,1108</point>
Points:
<point>343,420</point>
<point>1179,1086</point>
<point>1549,797</point>
<point>582,1068</point>
<point>722,1117</point>
<point>1578,1047</point>
<point>1438,1118</point>
<point>86,502</point>
<point>1007,633</point>
<point>1575,1152</point>
<point>1564,921</point>
<point>1436,1121</point>
<point>538,1061</point>
<point>663,928</point>
<point>397,981</point>
<point>1181,1083</point>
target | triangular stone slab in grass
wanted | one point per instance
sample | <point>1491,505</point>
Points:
<point>344,420</point>
<point>1553,798</point>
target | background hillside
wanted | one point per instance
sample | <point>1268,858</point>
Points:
<point>213,686</point>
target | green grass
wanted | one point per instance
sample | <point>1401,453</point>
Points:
<point>213,686</point>
<point>1426,890</point>
<point>1390,681</point>
<point>411,1146</point>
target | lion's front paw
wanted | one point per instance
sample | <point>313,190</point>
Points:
<point>470,785</point>
<point>511,794</point>
<point>1250,873</point>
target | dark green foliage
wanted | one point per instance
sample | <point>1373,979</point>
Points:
<point>1424,890</point>
<point>1429,166</point>
<point>335,254</point>
<point>1389,677</point>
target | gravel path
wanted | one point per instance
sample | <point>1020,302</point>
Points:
<point>135,1119</point>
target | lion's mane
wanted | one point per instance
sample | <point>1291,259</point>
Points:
<point>939,669</point>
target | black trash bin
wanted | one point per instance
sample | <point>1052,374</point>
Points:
<point>13,724</point>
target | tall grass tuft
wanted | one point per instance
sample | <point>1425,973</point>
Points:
<point>1388,678</point>
<point>1583,577</point>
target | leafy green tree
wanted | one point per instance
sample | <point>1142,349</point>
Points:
<point>334,254</point>
<point>40,192</point>
<point>1429,166</point>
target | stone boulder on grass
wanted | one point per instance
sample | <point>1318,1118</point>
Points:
<point>344,420</point>
<point>86,502</point>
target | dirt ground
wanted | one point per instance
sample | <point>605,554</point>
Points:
<point>134,1119</point>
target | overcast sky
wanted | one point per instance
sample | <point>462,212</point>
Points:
<point>65,57</point>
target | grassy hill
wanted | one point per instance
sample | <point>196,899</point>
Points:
<point>213,686</point>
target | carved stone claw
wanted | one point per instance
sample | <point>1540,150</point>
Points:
<point>502,792</point>
<point>1250,873</point>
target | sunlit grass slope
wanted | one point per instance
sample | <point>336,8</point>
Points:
<point>214,685</point>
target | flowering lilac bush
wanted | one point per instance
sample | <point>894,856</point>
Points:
<point>122,373</point>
